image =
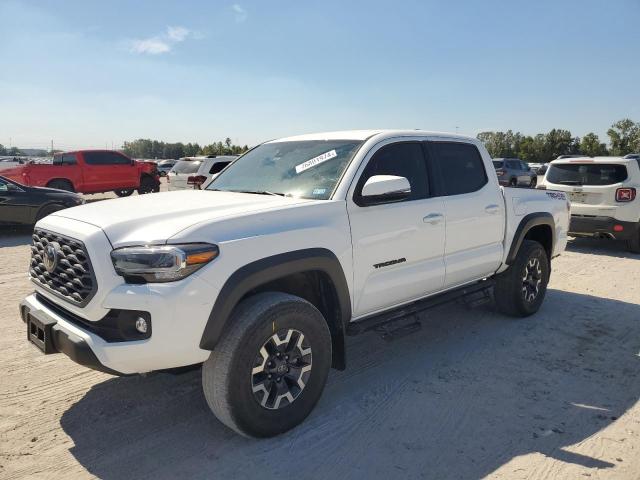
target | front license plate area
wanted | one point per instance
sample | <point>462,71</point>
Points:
<point>40,334</point>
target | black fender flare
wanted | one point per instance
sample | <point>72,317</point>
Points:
<point>271,268</point>
<point>527,223</point>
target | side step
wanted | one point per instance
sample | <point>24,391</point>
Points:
<point>403,321</point>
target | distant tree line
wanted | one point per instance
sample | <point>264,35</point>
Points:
<point>9,151</point>
<point>145,148</point>
<point>624,138</point>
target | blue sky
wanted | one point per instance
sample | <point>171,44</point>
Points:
<point>89,73</point>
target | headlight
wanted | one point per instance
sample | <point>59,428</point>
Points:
<point>162,263</point>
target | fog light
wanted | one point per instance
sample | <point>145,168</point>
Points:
<point>141,325</point>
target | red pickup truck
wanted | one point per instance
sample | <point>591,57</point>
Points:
<point>89,171</point>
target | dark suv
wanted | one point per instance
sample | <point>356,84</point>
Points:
<point>513,172</point>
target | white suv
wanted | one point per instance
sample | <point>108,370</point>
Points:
<point>296,244</point>
<point>195,172</point>
<point>603,193</point>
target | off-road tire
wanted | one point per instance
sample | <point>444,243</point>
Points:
<point>61,185</point>
<point>147,185</point>
<point>227,375</point>
<point>47,210</point>
<point>125,192</point>
<point>510,289</point>
<point>633,244</point>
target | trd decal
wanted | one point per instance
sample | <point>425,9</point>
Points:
<point>390,262</point>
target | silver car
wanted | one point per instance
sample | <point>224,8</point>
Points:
<point>513,172</point>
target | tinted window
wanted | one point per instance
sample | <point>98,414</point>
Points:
<point>105,158</point>
<point>461,167</point>
<point>586,174</point>
<point>217,167</point>
<point>186,166</point>
<point>402,160</point>
<point>65,159</point>
<point>3,186</point>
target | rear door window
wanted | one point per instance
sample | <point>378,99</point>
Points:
<point>586,174</point>
<point>218,167</point>
<point>461,167</point>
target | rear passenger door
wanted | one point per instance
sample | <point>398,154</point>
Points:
<point>474,210</point>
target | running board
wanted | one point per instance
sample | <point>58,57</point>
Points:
<point>387,324</point>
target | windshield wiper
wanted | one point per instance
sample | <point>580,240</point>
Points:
<point>259,192</point>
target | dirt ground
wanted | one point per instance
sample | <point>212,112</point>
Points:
<point>473,394</point>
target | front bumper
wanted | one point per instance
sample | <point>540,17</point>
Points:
<point>597,226</point>
<point>64,341</point>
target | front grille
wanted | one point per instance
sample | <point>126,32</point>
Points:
<point>70,276</point>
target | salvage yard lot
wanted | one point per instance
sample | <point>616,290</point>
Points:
<point>472,394</point>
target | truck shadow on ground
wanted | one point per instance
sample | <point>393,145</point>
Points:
<point>458,399</point>
<point>601,246</point>
<point>15,236</point>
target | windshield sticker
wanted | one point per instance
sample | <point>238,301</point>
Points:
<point>319,191</point>
<point>316,161</point>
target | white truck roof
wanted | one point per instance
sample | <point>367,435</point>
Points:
<point>364,134</point>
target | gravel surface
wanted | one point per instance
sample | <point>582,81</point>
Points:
<point>473,394</point>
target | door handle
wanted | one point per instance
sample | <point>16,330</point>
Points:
<point>433,218</point>
<point>492,209</point>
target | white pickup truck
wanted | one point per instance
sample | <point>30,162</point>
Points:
<point>298,243</point>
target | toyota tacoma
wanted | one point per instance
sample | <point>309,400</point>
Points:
<point>295,245</point>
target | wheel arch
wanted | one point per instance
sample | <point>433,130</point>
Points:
<point>313,274</point>
<point>62,179</point>
<point>539,226</point>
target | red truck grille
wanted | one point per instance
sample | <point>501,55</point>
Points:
<point>61,265</point>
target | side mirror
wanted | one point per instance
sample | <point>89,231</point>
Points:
<point>385,189</point>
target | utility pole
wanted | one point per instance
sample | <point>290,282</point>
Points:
<point>51,147</point>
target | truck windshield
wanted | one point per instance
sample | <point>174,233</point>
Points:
<point>586,173</point>
<point>303,169</point>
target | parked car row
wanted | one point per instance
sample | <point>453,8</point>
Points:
<point>196,172</point>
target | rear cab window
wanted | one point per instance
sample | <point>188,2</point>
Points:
<point>586,173</point>
<point>65,159</point>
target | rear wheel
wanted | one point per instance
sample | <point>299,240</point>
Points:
<point>124,193</point>
<point>534,182</point>
<point>269,369</point>
<point>633,245</point>
<point>513,182</point>
<point>147,185</point>
<point>61,185</point>
<point>520,290</point>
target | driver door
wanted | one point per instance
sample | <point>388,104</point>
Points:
<point>398,247</point>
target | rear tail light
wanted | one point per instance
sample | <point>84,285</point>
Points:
<point>196,180</point>
<point>625,194</point>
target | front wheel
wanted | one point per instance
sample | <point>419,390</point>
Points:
<point>520,290</point>
<point>269,368</point>
<point>513,182</point>
<point>534,182</point>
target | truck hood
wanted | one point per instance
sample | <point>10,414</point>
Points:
<point>154,218</point>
